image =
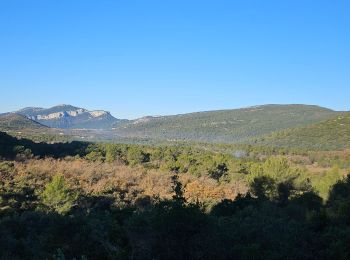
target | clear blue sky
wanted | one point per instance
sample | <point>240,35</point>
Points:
<point>138,58</point>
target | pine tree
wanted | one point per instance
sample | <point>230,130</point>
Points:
<point>57,196</point>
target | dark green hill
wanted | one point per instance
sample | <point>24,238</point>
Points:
<point>10,147</point>
<point>225,125</point>
<point>331,134</point>
<point>15,122</point>
<point>23,127</point>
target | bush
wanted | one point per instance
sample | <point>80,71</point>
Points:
<point>57,197</point>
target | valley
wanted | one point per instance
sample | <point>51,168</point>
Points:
<point>172,177</point>
<point>174,130</point>
<point>247,125</point>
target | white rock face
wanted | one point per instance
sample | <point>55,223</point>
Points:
<point>98,113</point>
<point>67,116</point>
<point>50,116</point>
<point>73,113</point>
<point>61,114</point>
<point>76,112</point>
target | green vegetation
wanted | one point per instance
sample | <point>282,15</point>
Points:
<point>224,126</point>
<point>15,122</point>
<point>186,201</point>
<point>56,195</point>
<point>23,127</point>
<point>332,134</point>
<point>219,162</point>
<point>283,126</point>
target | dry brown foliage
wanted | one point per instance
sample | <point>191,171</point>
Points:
<point>114,179</point>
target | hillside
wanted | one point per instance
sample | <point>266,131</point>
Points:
<point>67,116</point>
<point>331,134</point>
<point>16,122</point>
<point>225,125</point>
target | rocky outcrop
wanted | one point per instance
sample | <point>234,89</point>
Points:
<point>61,114</point>
<point>67,116</point>
<point>98,113</point>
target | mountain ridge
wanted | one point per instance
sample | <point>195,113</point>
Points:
<point>68,116</point>
<point>216,126</point>
<point>231,125</point>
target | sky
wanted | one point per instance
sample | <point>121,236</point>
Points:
<point>137,58</point>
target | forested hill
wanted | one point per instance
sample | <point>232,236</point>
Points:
<point>225,125</point>
<point>277,125</point>
<point>332,134</point>
<point>16,122</point>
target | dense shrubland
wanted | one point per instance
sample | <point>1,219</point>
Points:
<point>226,126</point>
<point>121,201</point>
<point>332,134</point>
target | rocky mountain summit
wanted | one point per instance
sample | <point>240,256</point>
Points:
<point>67,116</point>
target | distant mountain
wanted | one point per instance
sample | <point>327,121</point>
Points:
<point>226,126</point>
<point>67,116</point>
<point>331,134</point>
<point>16,122</point>
<point>278,125</point>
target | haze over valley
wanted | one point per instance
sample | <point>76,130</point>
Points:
<point>175,130</point>
<point>268,124</point>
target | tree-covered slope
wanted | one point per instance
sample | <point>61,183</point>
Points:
<point>225,125</point>
<point>331,134</point>
<point>16,122</point>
